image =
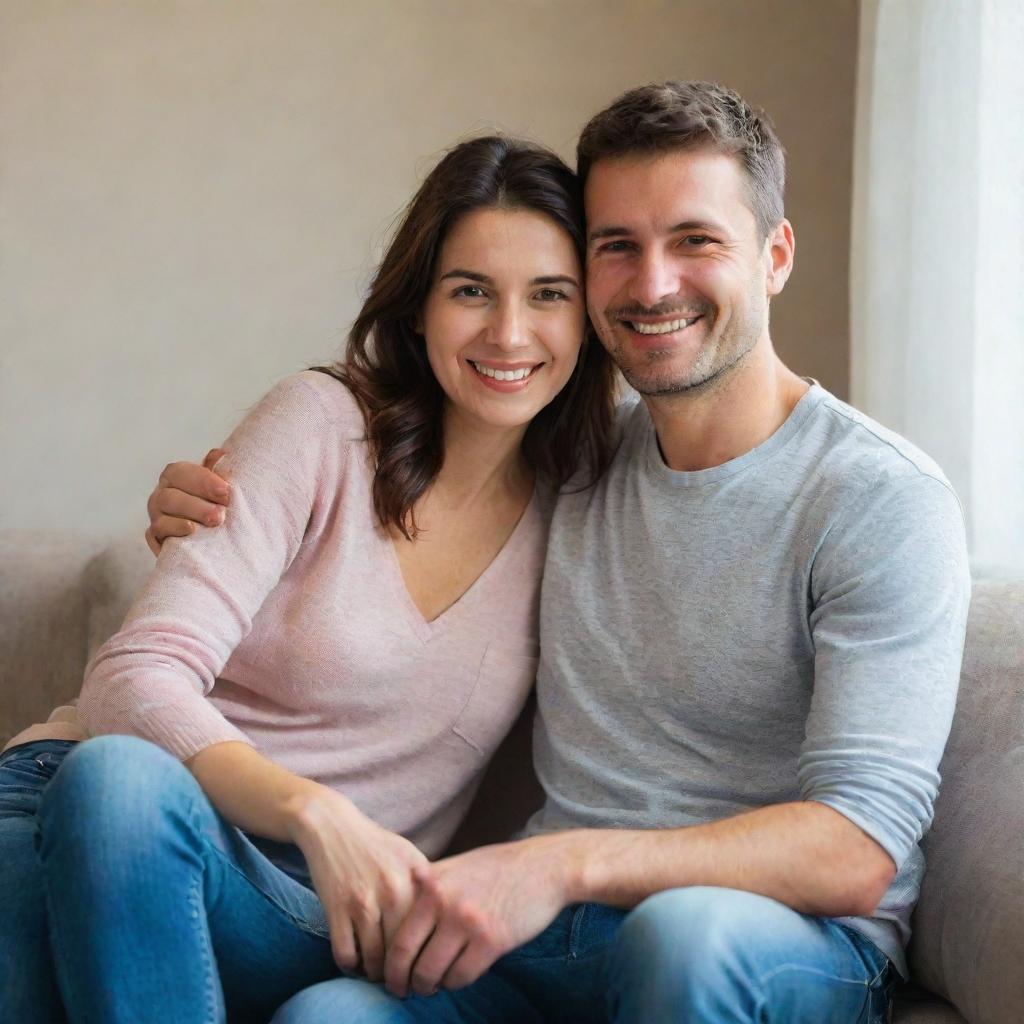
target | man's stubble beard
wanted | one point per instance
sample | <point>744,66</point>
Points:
<point>713,364</point>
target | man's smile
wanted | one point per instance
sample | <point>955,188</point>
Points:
<point>661,326</point>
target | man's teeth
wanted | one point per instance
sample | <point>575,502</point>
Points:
<point>520,374</point>
<point>666,328</point>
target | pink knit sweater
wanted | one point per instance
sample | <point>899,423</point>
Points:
<point>290,628</point>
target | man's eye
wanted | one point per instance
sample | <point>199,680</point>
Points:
<point>619,245</point>
<point>696,240</point>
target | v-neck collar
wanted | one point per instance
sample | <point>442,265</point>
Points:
<point>426,629</point>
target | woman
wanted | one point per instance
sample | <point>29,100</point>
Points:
<point>334,665</point>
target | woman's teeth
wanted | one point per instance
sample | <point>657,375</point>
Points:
<point>520,374</point>
<point>666,328</point>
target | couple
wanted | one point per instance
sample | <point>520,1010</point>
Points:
<point>750,633</point>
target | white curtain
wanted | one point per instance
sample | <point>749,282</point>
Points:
<point>937,278</point>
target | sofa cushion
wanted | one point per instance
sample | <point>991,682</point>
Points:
<point>110,582</point>
<point>968,939</point>
<point>914,1006</point>
<point>43,623</point>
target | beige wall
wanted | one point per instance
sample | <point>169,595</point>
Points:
<point>191,192</point>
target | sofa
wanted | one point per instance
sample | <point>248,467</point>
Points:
<point>61,595</point>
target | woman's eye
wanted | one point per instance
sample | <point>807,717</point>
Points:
<point>469,291</point>
<point>551,295</point>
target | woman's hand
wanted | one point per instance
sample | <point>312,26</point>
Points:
<point>362,873</point>
<point>184,495</point>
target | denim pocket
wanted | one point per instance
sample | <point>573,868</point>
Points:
<point>30,766</point>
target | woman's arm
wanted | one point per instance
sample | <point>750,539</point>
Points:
<point>361,872</point>
<point>153,677</point>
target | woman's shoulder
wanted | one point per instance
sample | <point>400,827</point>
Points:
<point>313,395</point>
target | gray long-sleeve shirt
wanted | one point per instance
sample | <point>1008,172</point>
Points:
<point>786,626</point>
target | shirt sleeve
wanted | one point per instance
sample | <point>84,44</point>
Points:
<point>152,677</point>
<point>890,589</point>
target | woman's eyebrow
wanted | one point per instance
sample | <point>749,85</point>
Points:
<point>472,275</point>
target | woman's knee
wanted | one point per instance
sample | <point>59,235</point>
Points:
<point>351,1000</point>
<point>112,788</point>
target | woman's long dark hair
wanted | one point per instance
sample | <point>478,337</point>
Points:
<point>386,365</point>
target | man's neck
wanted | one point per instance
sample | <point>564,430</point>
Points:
<point>709,426</point>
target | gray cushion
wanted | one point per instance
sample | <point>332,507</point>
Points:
<point>968,940</point>
<point>43,623</point>
<point>110,582</point>
<point>914,1006</point>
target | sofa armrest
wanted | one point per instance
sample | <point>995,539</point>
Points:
<point>968,939</point>
<point>43,623</point>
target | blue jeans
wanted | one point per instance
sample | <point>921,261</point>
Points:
<point>695,956</point>
<point>28,988</point>
<point>160,910</point>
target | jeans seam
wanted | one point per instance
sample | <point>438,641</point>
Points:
<point>764,979</point>
<point>227,862</point>
<point>195,898</point>
<point>866,985</point>
<point>575,927</point>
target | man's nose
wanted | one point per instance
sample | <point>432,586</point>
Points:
<point>655,280</point>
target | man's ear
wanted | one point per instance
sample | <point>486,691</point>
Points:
<point>781,245</point>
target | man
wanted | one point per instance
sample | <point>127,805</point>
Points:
<point>751,639</point>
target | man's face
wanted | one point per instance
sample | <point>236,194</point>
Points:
<point>677,275</point>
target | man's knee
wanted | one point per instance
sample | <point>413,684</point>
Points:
<point>700,920</point>
<point>691,951</point>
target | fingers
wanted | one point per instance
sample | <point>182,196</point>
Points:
<point>151,542</point>
<point>169,502</point>
<point>343,944</point>
<point>212,457</point>
<point>199,481</point>
<point>442,950</point>
<point>405,947</point>
<point>474,960</point>
<point>371,947</point>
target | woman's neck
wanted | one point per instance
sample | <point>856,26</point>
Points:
<point>481,464</point>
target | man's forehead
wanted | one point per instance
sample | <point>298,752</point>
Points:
<point>664,189</point>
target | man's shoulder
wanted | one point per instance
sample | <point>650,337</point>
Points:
<point>861,453</point>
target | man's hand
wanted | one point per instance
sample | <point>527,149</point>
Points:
<point>474,908</point>
<point>186,494</point>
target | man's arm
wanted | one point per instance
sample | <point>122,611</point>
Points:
<point>890,593</point>
<point>478,906</point>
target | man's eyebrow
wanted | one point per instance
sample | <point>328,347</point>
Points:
<point>472,275</point>
<point>609,232</point>
<point>686,225</point>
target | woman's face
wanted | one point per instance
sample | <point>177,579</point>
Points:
<point>504,317</point>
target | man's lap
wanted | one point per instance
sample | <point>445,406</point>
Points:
<point>596,963</point>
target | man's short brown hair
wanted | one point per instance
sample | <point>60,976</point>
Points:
<point>666,116</point>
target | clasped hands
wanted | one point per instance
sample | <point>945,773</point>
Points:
<point>471,909</point>
<point>416,925</point>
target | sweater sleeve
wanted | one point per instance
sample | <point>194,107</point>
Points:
<point>152,677</point>
<point>890,590</point>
